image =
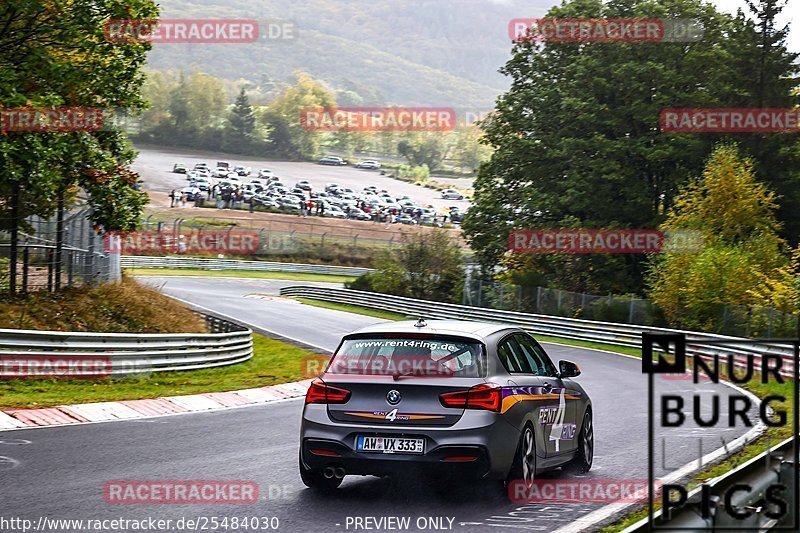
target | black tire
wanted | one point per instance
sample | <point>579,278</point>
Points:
<point>314,479</point>
<point>582,462</point>
<point>524,465</point>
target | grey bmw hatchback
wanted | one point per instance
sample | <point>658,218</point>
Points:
<point>445,396</point>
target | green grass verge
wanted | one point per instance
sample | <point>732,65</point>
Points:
<point>273,362</point>
<point>252,274</point>
<point>356,309</point>
<point>771,437</point>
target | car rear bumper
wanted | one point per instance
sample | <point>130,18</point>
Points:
<point>468,461</point>
<point>480,444</point>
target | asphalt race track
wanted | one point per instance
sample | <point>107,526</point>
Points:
<point>60,472</point>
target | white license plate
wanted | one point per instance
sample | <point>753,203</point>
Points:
<point>389,444</point>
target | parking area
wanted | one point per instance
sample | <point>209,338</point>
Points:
<point>156,165</point>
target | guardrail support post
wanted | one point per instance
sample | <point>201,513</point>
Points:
<point>25,262</point>
<point>630,311</point>
<point>539,299</point>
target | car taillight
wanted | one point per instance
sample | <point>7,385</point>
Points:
<point>486,396</point>
<point>320,392</point>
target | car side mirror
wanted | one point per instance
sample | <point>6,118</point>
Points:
<point>568,369</point>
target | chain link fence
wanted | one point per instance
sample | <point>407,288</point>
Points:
<point>307,240</point>
<point>741,321</point>
<point>43,264</point>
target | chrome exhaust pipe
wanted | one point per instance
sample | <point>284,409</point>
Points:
<point>339,472</point>
<point>329,472</point>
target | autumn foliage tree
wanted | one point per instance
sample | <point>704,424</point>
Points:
<point>57,54</point>
<point>742,261</point>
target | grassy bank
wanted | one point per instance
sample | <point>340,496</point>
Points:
<point>250,274</point>
<point>126,307</point>
<point>273,362</point>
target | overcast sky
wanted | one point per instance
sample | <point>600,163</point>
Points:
<point>790,15</point>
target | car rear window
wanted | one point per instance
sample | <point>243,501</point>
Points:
<point>410,356</point>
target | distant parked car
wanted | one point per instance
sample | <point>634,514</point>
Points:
<point>265,200</point>
<point>331,187</point>
<point>242,171</point>
<point>289,202</point>
<point>201,166</point>
<point>358,214</point>
<point>201,184</point>
<point>334,211</point>
<point>190,192</point>
<point>264,173</point>
<point>303,184</point>
<point>370,165</point>
<point>179,168</point>
<point>221,172</point>
<point>332,160</point>
<point>452,194</point>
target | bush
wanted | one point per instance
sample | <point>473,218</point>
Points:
<point>427,266</point>
<point>362,283</point>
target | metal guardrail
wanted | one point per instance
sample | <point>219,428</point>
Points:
<point>130,353</point>
<point>569,328</point>
<point>146,261</point>
<point>775,466</point>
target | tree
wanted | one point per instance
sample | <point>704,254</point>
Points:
<point>241,123</point>
<point>428,266</point>
<point>283,117</point>
<point>423,149</point>
<point>157,90</point>
<point>576,137</point>
<point>179,104</point>
<point>206,100</point>
<point>765,75</point>
<point>743,261</point>
<point>469,151</point>
<point>56,54</point>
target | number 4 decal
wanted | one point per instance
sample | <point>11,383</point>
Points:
<point>391,415</point>
<point>558,423</point>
